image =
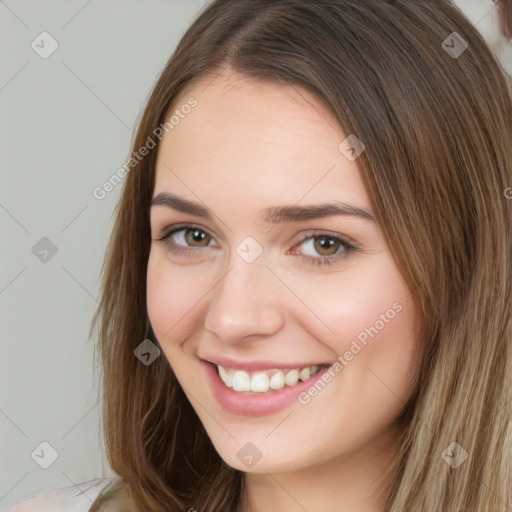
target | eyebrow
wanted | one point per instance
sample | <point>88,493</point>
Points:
<point>272,215</point>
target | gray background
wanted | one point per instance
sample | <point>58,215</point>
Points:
<point>66,126</point>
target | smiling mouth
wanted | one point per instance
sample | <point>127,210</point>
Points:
<point>264,381</point>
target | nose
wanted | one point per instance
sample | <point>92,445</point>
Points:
<point>245,303</point>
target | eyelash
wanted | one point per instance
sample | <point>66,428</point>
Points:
<point>348,246</point>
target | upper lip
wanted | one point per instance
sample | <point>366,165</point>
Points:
<point>255,364</point>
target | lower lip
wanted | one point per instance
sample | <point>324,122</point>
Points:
<point>257,404</point>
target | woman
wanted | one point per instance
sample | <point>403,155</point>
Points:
<point>245,369</point>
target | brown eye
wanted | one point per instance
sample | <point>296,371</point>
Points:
<point>326,246</point>
<point>325,249</point>
<point>185,239</point>
<point>196,236</point>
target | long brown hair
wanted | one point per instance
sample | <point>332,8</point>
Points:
<point>418,85</point>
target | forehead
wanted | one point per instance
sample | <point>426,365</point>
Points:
<point>263,107</point>
<point>262,140</point>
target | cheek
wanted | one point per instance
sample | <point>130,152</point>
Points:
<point>377,343</point>
<point>382,351</point>
<point>344,304</point>
<point>368,317</point>
<point>376,309</point>
<point>171,297</point>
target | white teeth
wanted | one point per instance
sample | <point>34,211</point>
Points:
<point>277,380</point>
<point>241,381</point>
<point>304,374</point>
<point>222,372</point>
<point>227,377</point>
<point>292,377</point>
<point>261,382</point>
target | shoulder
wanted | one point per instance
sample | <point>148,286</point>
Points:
<point>65,499</point>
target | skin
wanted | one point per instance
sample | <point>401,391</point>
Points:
<point>246,146</point>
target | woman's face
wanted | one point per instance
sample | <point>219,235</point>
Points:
<point>265,292</point>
